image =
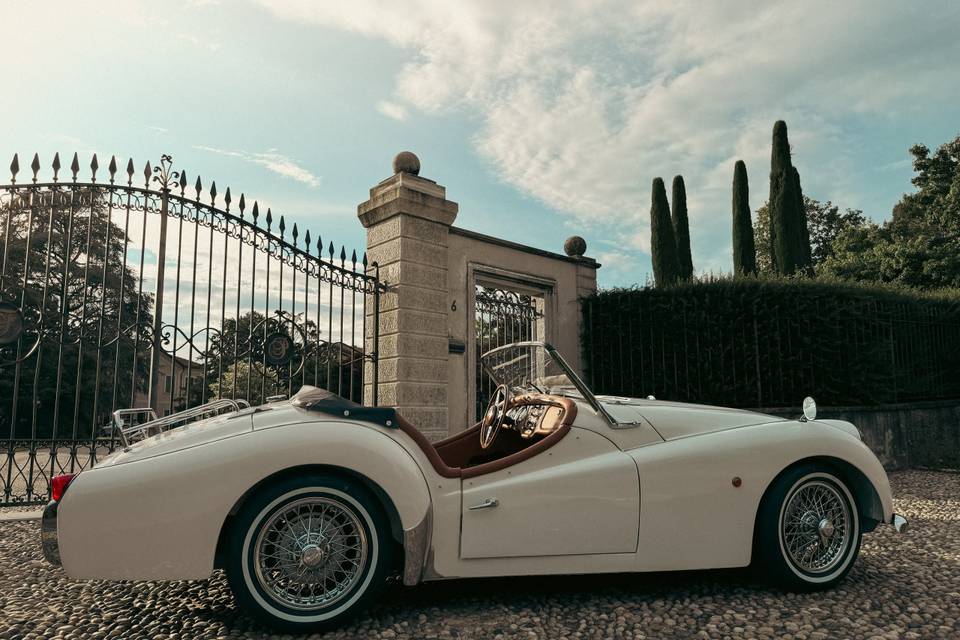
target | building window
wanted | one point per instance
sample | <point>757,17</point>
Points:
<point>167,384</point>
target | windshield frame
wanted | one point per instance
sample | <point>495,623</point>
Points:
<point>581,387</point>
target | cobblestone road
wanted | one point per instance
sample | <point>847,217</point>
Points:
<point>902,587</point>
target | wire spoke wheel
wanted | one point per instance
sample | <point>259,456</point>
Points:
<point>816,528</point>
<point>310,553</point>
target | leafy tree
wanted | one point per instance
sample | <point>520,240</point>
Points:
<point>241,376</point>
<point>681,228</point>
<point>72,263</point>
<point>663,245</point>
<point>826,223</point>
<point>744,249</point>
<point>789,237</point>
<point>326,365</point>
<point>920,245</point>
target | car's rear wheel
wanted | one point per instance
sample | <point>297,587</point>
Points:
<point>307,552</point>
<point>808,529</point>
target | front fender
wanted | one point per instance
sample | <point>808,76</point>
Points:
<point>693,515</point>
<point>160,518</point>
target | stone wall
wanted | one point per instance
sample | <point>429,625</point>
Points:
<point>561,280</point>
<point>426,350</point>
<point>922,434</point>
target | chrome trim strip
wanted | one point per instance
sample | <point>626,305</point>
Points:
<point>48,534</point>
<point>416,545</point>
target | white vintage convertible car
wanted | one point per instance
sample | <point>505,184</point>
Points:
<point>312,504</point>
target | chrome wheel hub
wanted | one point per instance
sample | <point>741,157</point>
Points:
<point>826,529</point>
<point>311,553</point>
<point>816,527</point>
<point>312,556</point>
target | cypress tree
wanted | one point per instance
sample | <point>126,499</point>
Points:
<point>788,233</point>
<point>681,228</point>
<point>744,250</point>
<point>806,263</point>
<point>663,245</point>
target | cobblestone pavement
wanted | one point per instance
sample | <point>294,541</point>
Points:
<point>902,587</point>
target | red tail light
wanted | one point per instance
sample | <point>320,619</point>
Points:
<point>59,484</point>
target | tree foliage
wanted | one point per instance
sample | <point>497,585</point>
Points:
<point>235,361</point>
<point>663,244</point>
<point>262,382</point>
<point>64,261</point>
<point>826,223</point>
<point>681,228</point>
<point>920,245</point>
<point>788,234</point>
<point>744,249</point>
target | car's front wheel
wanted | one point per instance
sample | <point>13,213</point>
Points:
<point>306,552</point>
<point>808,529</point>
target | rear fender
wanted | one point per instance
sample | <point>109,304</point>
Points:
<point>161,518</point>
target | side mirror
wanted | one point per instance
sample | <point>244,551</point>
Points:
<point>809,409</point>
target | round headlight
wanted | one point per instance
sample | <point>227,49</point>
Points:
<point>809,408</point>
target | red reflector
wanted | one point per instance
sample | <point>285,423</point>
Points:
<point>59,485</point>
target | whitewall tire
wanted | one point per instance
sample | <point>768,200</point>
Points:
<point>808,529</point>
<point>307,552</point>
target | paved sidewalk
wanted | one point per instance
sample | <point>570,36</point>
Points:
<point>15,515</point>
<point>905,586</point>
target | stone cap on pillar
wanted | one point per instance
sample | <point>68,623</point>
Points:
<point>405,192</point>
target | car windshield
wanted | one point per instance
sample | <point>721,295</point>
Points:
<point>529,367</point>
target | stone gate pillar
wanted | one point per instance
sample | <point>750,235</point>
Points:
<point>408,219</point>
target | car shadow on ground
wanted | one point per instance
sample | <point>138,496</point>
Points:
<point>657,584</point>
<point>457,597</point>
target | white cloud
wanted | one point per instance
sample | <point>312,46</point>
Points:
<point>273,161</point>
<point>392,110</point>
<point>583,103</point>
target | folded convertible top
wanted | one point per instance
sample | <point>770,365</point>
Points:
<point>315,399</point>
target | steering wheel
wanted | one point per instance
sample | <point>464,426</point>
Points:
<point>494,415</point>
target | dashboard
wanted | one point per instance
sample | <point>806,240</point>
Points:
<point>534,415</point>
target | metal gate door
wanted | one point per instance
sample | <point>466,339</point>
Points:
<point>502,316</point>
<point>115,295</point>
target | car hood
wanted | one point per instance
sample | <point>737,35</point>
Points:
<point>674,420</point>
<point>189,435</point>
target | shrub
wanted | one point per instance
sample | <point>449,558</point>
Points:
<point>765,342</point>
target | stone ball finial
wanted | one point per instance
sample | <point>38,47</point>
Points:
<point>575,247</point>
<point>406,162</point>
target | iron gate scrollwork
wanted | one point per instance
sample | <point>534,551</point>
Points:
<point>501,316</point>
<point>146,291</point>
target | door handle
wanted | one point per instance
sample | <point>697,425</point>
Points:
<point>489,503</point>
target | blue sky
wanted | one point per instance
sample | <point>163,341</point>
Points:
<point>542,119</point>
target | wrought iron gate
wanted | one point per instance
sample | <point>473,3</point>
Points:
<point>116,295</point>
<point>502,316</point>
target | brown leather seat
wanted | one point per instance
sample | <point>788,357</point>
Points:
<point>428,449</point>
<point>451,456</point>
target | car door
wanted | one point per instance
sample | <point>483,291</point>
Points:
<point>580,496</point>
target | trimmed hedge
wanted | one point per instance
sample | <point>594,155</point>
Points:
<point>768,342</point>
